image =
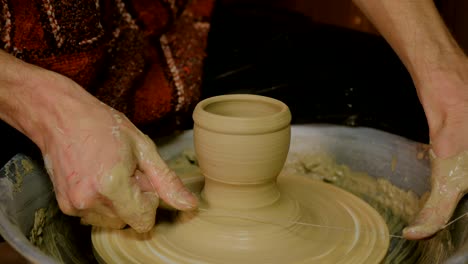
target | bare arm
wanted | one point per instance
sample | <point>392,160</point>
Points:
<point>414,29</point>
<point>417,33</point>
<point>103,168</point>
<point>20,92</point>
<point>439,69</point>
<point>37,102</point>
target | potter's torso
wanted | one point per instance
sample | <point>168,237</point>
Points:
<point>106,46</point>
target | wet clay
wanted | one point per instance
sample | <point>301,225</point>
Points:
<point>398,207</point>
<point>247,213</point>
<point>265,235</point>
<point>57,236</point>
<point>449,184</point>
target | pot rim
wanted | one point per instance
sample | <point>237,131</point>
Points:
<point>243,125</point>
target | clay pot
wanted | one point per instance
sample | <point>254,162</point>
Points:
<point>241,142</point>
<point>247,214</point>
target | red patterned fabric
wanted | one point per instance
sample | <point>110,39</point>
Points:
<point>142,57</point>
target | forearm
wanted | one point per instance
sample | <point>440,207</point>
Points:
<point>414,29</point>
<point>16,95</point>
<point>418,35</point>
<point>32,100</point>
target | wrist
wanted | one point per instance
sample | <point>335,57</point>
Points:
<point>443,92</point>
<point>443,89</point>
<point>59,102</point>
<point>38,102</point>
<point>18,95</point>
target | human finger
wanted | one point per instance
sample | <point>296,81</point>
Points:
<point>435,214</point>
<point>101,220</point>
<point>143,181</point>
<point>449,184</point>
<point>134,207</point>
<point>168,186</point>
<point>65,205</point>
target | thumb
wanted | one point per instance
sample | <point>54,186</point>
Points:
<point>434,215</point>
<point>134,207</point>
<point>449,182</point>
<point>165,182</point>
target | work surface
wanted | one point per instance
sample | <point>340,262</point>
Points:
<point>394,158</point>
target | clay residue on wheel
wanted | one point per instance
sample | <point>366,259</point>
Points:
<point>61,236</point>
<point>35,236</point>
<point>398,207</point>
<point>15,172</point>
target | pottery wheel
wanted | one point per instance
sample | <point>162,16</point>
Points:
<point>312,222</point>
<point>248,213</point>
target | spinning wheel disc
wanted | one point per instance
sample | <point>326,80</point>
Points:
<point>313,222</point>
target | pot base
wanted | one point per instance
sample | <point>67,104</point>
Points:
<point>312,222</point>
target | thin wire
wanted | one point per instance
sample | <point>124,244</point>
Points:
<point>322,226</point>
<point>307,224</point>
<point>291,222</point>
<point>455,220</point>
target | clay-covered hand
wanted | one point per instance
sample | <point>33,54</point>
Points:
<point>103,168</point>
<point>447,113</point>
<point>449,184</point>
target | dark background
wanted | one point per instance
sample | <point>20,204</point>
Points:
<point>322,58</point>
<point>325,72</point>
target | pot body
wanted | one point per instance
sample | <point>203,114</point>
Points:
<point>241,159</point>
<point>241,142</point>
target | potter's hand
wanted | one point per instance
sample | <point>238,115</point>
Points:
<point>439,69</point>
<point>449,184</point>
<point>103,168</point>
<point>447,114</point>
